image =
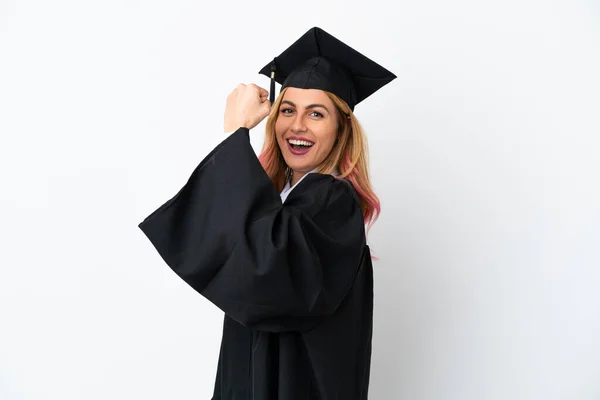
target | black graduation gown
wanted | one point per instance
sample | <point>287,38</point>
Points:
<point>294,279</point>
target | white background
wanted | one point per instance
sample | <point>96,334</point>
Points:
<point>484,153</point>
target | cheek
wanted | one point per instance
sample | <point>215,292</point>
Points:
<point>327,140</point>
<point>279,130</point>
<point>281,125</point>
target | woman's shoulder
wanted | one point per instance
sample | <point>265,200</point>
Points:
<point>324,191</point>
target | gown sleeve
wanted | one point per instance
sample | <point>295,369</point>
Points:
<point>270,266</point>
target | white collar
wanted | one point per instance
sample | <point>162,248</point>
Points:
<point>287,188</point>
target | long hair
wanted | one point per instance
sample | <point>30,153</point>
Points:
<point>349,156</point>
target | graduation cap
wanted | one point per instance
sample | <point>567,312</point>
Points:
<point>320,61</point>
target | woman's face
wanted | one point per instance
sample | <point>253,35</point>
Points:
<point>306,128</point>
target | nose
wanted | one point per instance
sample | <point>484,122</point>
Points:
<point>299,124</point>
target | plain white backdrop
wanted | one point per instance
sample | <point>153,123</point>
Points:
<point>484,153</point>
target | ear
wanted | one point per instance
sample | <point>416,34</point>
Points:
<point>343,121</point>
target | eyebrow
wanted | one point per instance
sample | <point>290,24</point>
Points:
<point>308,107</point>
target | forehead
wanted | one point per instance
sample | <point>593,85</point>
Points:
<point>305,97</point>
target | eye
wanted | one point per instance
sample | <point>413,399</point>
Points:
<point>286,111</point>
<point>317,114</point>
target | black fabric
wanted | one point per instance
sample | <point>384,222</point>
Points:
<point>294,279</point>
<point>318,60</point>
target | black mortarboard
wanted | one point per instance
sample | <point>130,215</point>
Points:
<point>320,61</point>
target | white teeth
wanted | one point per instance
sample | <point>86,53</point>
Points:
<point>300,142</point>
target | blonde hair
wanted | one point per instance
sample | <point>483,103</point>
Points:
<point>349,156</point>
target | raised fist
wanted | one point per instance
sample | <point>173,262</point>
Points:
<point>246,106</point>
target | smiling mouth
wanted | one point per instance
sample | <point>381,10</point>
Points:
<point>300,144</point>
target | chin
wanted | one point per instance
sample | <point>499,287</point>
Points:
<point>303,164</point>
<point>299,167</point>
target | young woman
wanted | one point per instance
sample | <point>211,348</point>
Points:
<point>278,241</point>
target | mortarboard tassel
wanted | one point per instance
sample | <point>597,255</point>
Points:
<point>272,88</point>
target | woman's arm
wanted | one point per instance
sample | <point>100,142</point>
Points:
<point>268,265</point>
